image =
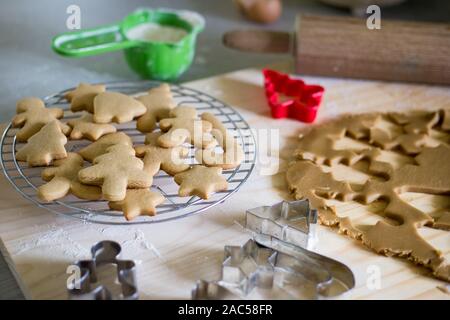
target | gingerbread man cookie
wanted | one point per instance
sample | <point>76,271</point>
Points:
<point>85,127</point>
<point>44,147</point>
<point>116,107</point>
<point>138,202</point>
<point>32,115</point>
<point>63,179</point>
<point>99,147</point>
<point>82,98</point>
<point>158,102</point>
<point>116,170</point>
<point>185,126</point>
<point>168,159</point>
<point>232,155</point>
<point>200,181</point>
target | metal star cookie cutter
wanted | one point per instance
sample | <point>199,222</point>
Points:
<point>104,252</point>
<point>246,267</point>
<point>290,221</point>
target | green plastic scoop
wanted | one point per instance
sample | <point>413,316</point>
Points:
<point>152,57</point>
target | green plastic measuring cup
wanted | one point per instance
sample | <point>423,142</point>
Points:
<point>150,59</point>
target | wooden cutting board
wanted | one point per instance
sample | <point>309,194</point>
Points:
<point>171,256</point>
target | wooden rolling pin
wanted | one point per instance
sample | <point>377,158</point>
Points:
<point>345,47</point>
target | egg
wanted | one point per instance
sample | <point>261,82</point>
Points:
<point>261,11</point>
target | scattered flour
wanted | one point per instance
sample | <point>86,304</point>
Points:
<point>57,238</point>
<point>131,246</point>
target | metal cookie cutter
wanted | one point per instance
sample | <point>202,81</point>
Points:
<point>292,222</point>
<point>205,290</point>
<point>277,257</point>
<point>255,265</point>
<point>343,278</point>
<point>104,252</point>
<point>247,267</point>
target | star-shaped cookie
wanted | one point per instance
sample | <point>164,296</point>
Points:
<point>82,98</point>
<point>85,127</point>
<point>63,179</point>
<point>32,115</point>
<point>138,202</point>
<point>200,181</point>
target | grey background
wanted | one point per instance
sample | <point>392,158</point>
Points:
<point>28,66</point>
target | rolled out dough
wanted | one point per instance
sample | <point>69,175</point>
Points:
<point>421,139</point>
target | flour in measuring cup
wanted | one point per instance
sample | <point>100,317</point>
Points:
<point>153,32</point>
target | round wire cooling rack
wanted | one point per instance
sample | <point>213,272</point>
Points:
<point>26,179</point>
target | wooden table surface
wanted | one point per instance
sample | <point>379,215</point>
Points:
<point>171,256</point>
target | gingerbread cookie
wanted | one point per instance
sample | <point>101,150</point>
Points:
<point>116,107</point>
<point>155,157</point>
<point>99,147</point>
<point>158,102</point>
<point>82,98</point>
<point>63,179</point>
<point>32,115</point>
<point>44,147</point>
<point>138,202</point>
<point>116,170</point>
<point>232,155</point>
<point>185,126</point>
<point>85,127</point>
<point>200,181</point>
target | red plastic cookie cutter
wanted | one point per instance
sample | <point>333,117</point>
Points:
<point>305,99</point>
